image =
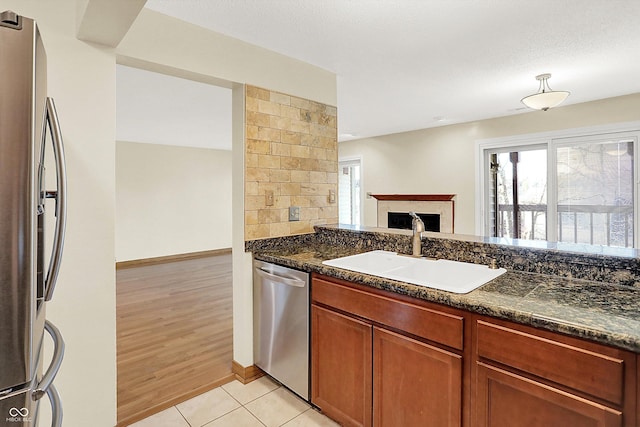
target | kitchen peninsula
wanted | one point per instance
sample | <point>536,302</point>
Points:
<point>555,339</point>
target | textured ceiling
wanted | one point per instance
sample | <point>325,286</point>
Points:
<point>411,64</point>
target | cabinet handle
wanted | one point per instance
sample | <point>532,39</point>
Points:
<point>290,281</point>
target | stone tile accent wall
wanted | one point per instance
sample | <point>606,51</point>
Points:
<point>291,150</point>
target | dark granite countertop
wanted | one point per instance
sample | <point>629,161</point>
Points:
<point>601,312</point>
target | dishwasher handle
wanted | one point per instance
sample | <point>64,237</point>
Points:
<point>285,280</point>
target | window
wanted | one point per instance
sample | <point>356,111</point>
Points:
<point>349,191</point>
<point>574,189</point>
<point>595,190</point>
<point>519,193</point>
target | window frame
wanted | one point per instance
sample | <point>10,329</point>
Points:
<point>507,149</point>
<point>549,140</point>
<point>353,160</point>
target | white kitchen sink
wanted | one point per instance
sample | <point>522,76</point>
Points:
<point>452,276</point>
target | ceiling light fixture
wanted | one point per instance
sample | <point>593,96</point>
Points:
<point>545,98</point>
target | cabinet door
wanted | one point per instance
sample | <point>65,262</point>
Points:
<point>507,399</point>
<point>637,389</point>
<point>415,384</point>
<point>341,367</point>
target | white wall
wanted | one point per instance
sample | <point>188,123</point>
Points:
<point>242,273</point>
<point>441,160</point>
<point>171,200</point>
<point>82,80</point>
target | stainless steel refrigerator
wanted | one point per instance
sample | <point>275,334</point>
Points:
<point>29,131</point>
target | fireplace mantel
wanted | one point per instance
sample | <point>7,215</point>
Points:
<point>440,204</point>
<point>415,197</point>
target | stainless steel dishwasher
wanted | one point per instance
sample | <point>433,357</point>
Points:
<point>281,324</point>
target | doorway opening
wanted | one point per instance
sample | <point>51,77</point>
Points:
<point>173,240</point>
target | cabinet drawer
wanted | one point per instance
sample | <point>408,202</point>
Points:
<point>584,370</point>
<point>433,325</point>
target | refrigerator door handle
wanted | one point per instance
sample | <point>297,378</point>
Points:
<point>51,119</point>
<point>290,281</point>
<point>56,406</point>
<point>56,361</point>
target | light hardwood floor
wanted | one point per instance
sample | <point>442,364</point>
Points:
<point>174,333</point>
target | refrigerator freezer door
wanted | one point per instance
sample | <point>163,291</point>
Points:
<point>18,409</point>
<point>21,409</point>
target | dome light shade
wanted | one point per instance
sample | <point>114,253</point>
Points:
<point>545,98</point>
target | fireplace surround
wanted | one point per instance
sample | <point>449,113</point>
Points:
<point>429,205</point>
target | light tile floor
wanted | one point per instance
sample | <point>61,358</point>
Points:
<point>257,404</point>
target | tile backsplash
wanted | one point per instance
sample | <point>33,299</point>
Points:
<point>291,160</point>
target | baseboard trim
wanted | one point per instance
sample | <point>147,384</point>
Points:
<point>169,403</point>
<point>170,258</point>
<point>246,374</point>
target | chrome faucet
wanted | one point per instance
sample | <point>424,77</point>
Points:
<point>418,227</point>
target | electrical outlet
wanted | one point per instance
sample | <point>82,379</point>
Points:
<point>332,196</point>
<point>294,213</point>
<point>268,198</point>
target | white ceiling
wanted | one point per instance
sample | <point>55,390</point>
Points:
<point>405,64</point>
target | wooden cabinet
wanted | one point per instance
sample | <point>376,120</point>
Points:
<point>341,366</point>
<point>366,369</point>
<point>389,360</point>
<point>537,378</point>
<point>508,399</point>
<point>415,384</point>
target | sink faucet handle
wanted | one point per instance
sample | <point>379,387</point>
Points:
<point>417,223</point>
